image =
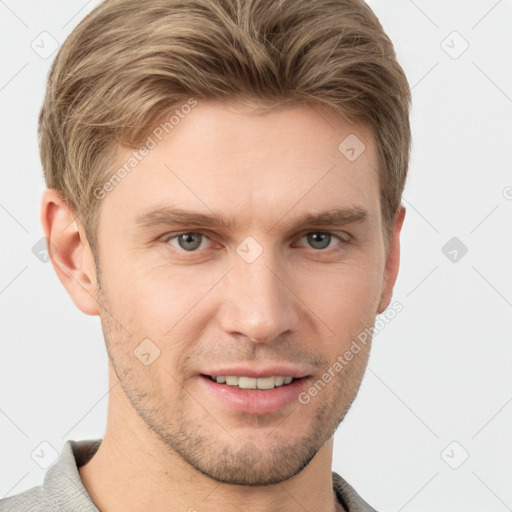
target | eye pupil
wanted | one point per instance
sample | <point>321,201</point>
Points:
<point>323,239</point>
<point>189,238</point>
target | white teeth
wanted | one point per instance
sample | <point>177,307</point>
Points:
<point>247,382</point>
<point>253,382</point>
<point>266,382</point>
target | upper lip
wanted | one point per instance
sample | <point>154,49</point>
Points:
<point>269,371</point>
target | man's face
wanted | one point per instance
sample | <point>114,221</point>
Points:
<point>258,297</point>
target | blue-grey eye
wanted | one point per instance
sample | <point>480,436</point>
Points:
<point>189,241</point>
<point>319,240</point>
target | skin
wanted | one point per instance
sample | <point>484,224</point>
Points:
<point>168,444</point>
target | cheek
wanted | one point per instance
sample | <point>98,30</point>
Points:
<point>345,299</point>
<point>168,306</point>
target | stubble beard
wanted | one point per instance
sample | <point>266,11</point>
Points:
<point>228,457</point>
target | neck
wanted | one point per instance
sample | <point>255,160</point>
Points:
<point>132,466</point>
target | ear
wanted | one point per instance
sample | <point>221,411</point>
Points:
<point>69,251</point>
<point>392,260</point>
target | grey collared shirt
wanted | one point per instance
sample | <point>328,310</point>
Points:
<point>64,491</point>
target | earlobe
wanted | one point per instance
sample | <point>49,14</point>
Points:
<point>392,260</point>
<point>69,251</point>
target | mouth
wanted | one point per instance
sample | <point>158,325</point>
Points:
<point>253,383</point>
<point>253,394</point>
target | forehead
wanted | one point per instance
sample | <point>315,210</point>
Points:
<point>229,159</point>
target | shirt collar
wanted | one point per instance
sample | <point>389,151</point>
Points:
<point>64,478</point>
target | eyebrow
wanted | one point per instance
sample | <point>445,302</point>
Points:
<point>167,216</point>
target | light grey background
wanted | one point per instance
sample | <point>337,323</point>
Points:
<point>438,384</point>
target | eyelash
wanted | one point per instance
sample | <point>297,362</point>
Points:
<point>174,236</point>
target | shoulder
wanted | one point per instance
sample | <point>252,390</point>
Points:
<point>28,501</point>
<point>62,489</point>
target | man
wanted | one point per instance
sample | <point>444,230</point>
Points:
<point>224,190</point>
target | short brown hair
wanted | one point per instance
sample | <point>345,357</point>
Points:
<point>129,63</point>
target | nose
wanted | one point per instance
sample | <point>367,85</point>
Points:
<point>258,300</point>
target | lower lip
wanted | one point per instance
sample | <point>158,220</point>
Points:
<point>256,401</point>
